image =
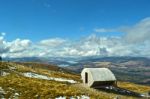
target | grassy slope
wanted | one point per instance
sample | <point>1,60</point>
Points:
<point>33,88</point>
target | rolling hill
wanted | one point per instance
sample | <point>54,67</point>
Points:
<point>132,69</point>
<point>44,81</point>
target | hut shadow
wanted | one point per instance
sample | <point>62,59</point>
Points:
<point>118,90</point>
<point>103,79</point>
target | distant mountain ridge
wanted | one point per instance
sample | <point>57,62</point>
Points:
<point>78,59</point>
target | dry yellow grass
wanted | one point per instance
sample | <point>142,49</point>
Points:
<point>32,88</point>
<point>134,87</point>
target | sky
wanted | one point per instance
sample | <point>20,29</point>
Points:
<point>44,28</point>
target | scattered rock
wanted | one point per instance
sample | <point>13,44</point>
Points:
<point>2,93</point>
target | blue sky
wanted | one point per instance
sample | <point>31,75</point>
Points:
<point>44,28</point>
<point>71,19</point>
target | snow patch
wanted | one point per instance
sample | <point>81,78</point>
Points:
<point>2,73</point>
<point>2,93</point>
<point>2,90</point>
<point>72,97</point>
<point>63,65</point>
<point>60,97</point>
<point>34,75</point>
<point>16,94</point>
<point>12,68</point>
<point>85,97</point>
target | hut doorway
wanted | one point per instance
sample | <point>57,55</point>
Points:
<point>86,77</point>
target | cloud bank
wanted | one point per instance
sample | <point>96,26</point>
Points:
<point>139,32</point>
<point>135,42</point>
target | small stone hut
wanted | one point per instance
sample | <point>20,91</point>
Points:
<point>96,77</point>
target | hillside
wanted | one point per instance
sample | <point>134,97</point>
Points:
<point>130,69</point>
<point>43,81</point>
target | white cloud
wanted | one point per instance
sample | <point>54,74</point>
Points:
<point>102,30</point>
<point>139,32</point>
<point>18,45</point>
<point>136,42</point>
<point>53,42</point>
<point>3,33</point>
<point>3,47</point>
<point>89,46</point>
